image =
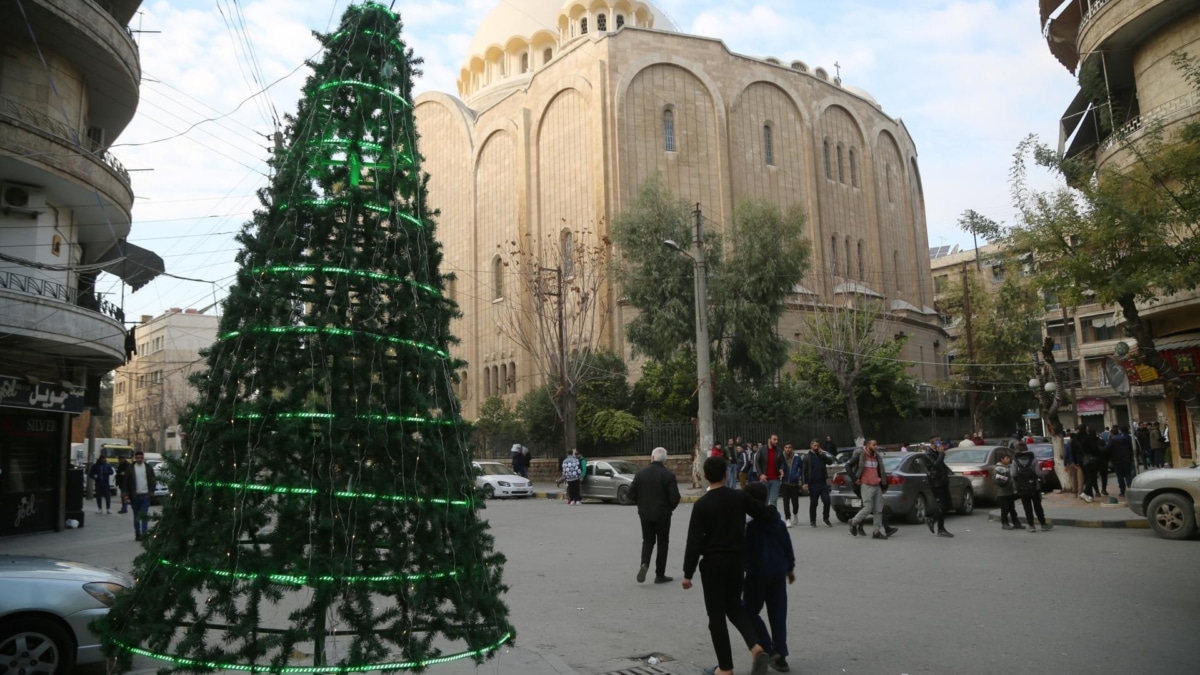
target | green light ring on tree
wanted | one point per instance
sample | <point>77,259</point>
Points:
<point>364,85</point>
<point>300,580</point>
<point>343,332</point>
<point>340,494</point>
<point>392,41</point>
<point>283,206</point>
<point>318,670</point>
<point>378,276</point>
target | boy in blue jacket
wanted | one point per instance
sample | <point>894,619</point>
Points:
<point>770,561</point>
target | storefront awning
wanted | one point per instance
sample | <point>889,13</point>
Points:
<point>135,265</point>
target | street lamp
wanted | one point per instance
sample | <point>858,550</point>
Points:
<point>703,368</point>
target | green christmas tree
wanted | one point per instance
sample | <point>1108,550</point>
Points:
<point>325,517</point>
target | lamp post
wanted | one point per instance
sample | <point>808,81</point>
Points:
<point>703,369</point>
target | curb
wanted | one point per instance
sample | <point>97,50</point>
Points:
<point>1124,524</point>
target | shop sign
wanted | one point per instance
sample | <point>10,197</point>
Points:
<point>16,392</point>
<point>1090,405</point>
<point>1186,362</point>
<point>25,512</point>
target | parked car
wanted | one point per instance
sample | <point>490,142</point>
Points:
<point>908,495</point>
<point>46,605</point>
<point>1169,499</point>
<point>1044,454</point>
<point>162,481</point>
<point>496,480</point>
<point>609,480</point>
<point>979,465</point>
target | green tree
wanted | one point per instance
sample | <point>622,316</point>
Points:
<point>752,268</point>
<point>666,391</point>
<point>497,420</point>
<point>331,383</point>
<point>883,389</point>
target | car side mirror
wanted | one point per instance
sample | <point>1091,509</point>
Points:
<point>605,472</point>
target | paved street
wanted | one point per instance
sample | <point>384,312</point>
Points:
<point>1074,600</point>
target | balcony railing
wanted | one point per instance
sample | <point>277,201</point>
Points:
<point>1094,7</point>
<point>53,290</point>
<point>1149,117</point>
<point>23,113</point>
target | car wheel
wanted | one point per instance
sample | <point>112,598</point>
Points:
<point>32,645</point>
<point>623,495</point>
<point>968,503</point>
<point>1172,516</point>
<point>917,515</point>
<point>488,491</point>
<point>843,516</point>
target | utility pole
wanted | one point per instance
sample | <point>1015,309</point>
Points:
<point>703,368</point>
<point>975,424</point>
<point>568,418</point>
<point>1069,338</point>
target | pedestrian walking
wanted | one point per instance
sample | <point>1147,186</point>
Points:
<point>656,493</point>
<point>814,477</point>
<point>769,465</point>
<point>716,544</point>
<point>517,459</point>
<point>938,476</point>
<point>102,473</point>
<point>731,457</point>
<point>139,484</point>
<point>789,487</point>
<point>1120,452</point>
<point>1089,454</point>
<point>122,467</point>
<point>743,465</point>
<point>1029,487</point>
<point>870,475</point>
<point>770,567</point>
<point>1158,447</point>
<point>1105,465</point>
<point>1006,491</point>
<point>830,446</point>
<point>572,475</point>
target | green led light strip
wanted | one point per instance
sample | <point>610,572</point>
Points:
<point>364,85</point>
<point>378,276</point>
<point>345,332</point>
<point>340,494</point>
<point>329,416</point>
<point>299,580</point>
<point>366,205</point>
<point>267,668</point>
<point>366,145</point>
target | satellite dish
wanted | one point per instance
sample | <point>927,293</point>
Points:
<point>1116,375</point>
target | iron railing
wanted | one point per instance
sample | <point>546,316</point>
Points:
<point>1149,117</point>
<point>54,290</point>
<point>25,114</point>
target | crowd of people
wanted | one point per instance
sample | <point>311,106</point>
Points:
<point>1090,457</point>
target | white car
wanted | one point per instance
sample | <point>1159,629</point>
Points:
<point>1169,499</point>
<point>46,605</point>
<point>494,479</point>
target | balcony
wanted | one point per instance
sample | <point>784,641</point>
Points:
<point>48,321</point>
<point>1181,108</point>
<point>53,290</point>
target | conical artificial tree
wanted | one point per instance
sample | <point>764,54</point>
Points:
<point>325,518</point>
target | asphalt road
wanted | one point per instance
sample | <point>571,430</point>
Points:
<point>988,601</point>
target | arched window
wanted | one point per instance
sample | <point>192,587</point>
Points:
<point>497,384</point>
<point>853,168</point>
<point>583,26</point>
<point>669,130</point>
<point>862,274</point>
<point>525,62</point>
<point>487,382</point>
<point>620,20</point>
<point>567,243</point>
<point>502,383</point>
<point>888,178</point>
<point>768,148</point>
<point>828,173</point>
<point>849,252</point>
<point>833,254</point>
<point>896,270</point>
<point>497,278</point>
<point>547,55</point>
<point>512,377</point>
<point>841,170</point>
<point>602,23</point>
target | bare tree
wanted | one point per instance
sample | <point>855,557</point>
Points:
<point>561,316</point>
<point>845,335</point>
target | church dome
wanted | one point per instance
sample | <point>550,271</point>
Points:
<point>520,36</point>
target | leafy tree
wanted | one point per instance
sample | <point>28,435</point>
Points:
<point>497,420</point>
<point>883,389</point>
<point>603,413</point>
<point>666,391</point>
<point>331,382</point>
<point>752,269</point>
<point>539,417</point>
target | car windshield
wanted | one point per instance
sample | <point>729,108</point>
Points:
<point>624,467</point>
<point>494,469</point>
<point>968,456</point>
<point>1042,451</point>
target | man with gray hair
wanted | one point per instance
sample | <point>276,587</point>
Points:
<point>656,494</point>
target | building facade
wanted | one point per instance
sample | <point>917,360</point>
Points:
<point>1130,44</point>
<point>151,391</point>
<point>564,110</point>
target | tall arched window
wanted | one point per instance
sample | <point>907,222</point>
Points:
<point>602,23</point>
<point>862,274</point>
<point>849,252</point>
<point>669,130</point>
<point>567,250</point>
<point>768,147</point>
<point>620,20</point>
<point>547,55</point>
<point>512,377</point>
<point>828,173</point>
<point>888,178</point>
<point>583,26</point>
<point>487,382</point>
<point>841,170</point>
<point>502,383</point>
<point>497,385</point>
<point>853,168</point>
<point>833,253</point>
<point>497,278</point>
<point>525,62</point>
<point>896,270</point>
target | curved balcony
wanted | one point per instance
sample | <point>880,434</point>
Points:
<point>1113,148</point>
<point>54,321</point>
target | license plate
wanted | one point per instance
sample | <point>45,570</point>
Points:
<point>856,502</point>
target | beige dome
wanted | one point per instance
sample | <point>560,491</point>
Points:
<point>514,27</point>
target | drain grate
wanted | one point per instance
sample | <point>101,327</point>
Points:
<point>639,670</point>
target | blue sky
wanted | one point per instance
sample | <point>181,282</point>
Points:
<point>969,79</point>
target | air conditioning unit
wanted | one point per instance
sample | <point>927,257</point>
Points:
<point>24,198</point>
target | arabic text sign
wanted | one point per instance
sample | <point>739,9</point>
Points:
<point>18,393</point>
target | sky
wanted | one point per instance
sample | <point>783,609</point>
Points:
<point>969,78</point>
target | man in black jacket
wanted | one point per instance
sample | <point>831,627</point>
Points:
<point>1120,452</point>
<point>815,478</point>
<point>656,494</point>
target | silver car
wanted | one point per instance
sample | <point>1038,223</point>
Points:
<point>46,605</point>
<point>1169,499</point>
<point>977,463</point>
<point>908,495</point>
<point>609,481</point>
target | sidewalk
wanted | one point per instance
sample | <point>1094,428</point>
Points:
<point>1069,510</point>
